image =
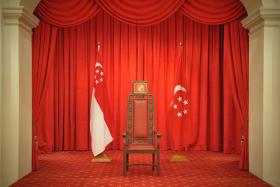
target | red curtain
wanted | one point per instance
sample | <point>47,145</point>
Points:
<point>213,67</point>
<point>134,53</point>
<point>236,68</point>
<point>66,13</point>
<point>140,12</point>
<point>43,49</point>
<point>213,12</point>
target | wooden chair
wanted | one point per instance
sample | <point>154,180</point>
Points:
<point>140,136</point>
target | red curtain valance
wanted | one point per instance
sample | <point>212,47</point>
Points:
<point>140,12</point>
<point>213,12</point>
<point>65,13</point>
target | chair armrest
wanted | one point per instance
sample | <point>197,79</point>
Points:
<point>124,135</point>
<point>158,138</point>
<point>158,134</point>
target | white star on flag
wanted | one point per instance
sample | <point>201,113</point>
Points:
<point>179,98</point>
<point>179,114</point>
<point>186,102</point>
<point>99,73</point>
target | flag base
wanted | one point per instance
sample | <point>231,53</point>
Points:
<point>102,158</point>
<point>179,158</point>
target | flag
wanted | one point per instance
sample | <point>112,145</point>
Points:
<point>178,117</point>
<point>99,113</point>
<point>180,102</point>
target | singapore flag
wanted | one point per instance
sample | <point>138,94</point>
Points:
<point>99,114</point>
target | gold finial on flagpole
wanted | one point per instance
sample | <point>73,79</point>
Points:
<point>180,44</point>
<point>98,46</point>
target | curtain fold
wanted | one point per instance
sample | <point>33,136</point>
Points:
<point>140,12</point>
<point>65,13</point>
<point>43,49</point>
<point>213,12</point>
<point>236,64</point>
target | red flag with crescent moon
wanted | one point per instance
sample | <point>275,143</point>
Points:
<point>179,112</point>
<point>178,118</point>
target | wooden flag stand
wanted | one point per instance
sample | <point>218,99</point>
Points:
<point>179,158</point>
<point>101,158</point>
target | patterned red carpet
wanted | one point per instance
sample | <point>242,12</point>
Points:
<point>73,168</point>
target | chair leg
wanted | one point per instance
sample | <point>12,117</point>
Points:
<point>158,168</point>
<point>124,162</point>
<point>127,161</point>
<point>153,161</point>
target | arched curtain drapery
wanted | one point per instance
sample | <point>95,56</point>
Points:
<point>140,41</point>
<point>140,13</point>
<point>213,12</point>
<point>65,13</point>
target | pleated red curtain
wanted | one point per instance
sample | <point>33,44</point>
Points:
<point>65,13</point>
<point>236,69</point>
<point>43,50</point>
<point>213,63</point>
<point>140,12</point>
<point>213,12</point>
<point>135,53</point>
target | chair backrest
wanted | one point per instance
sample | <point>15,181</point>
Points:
<point>140,119</point>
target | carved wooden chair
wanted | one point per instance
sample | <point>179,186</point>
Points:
<point>140,136</point>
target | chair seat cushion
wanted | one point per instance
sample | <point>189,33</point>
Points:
<point>134,147</point>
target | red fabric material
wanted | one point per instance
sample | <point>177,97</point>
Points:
<point>43,49</point>
<point>179,110</point>
<point>140,126</point>
<point>100,112</point>
<point>236,70</point>
<point>140,12</point>
<point>65,13</point>
<point>140,147</point>
<point>214,11</point>
<point>139,53</point>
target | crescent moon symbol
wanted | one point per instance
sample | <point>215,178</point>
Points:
<point>98,64</point>
<point>178,88</point>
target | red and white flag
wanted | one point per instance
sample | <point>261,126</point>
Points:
<point>99,114</point>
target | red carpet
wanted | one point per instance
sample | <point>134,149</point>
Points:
<point>73,168</point>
